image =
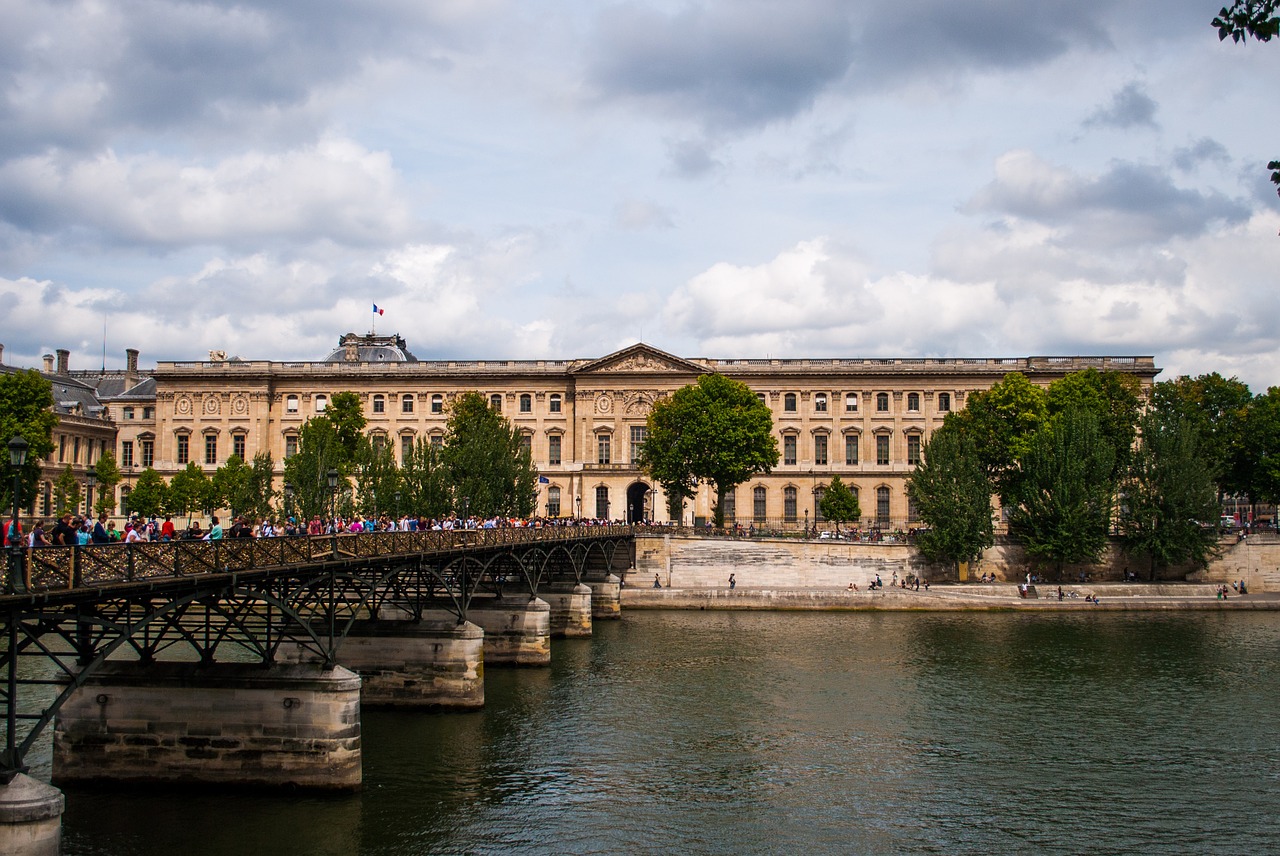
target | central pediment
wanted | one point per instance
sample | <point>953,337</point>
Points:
<point>640,359</point>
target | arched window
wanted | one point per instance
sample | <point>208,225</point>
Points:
<point>820,403</point>
<point>944,402</point>
<point>913,402</point>
<point>124,501</point>
<point>495,401</point>
<point>526,403</point>
<point>291,404</point>
<point>789,402</point>
<point>379,404</point>
<point>882,506</point>
<point>437,403</point>
<point>406,403</point>
<point>602,502</point>
<point>789,504</point>
<point>851,402</point>
<point>882,402</point>
<point>760,398</point>
<point>322,401</point>
<point>758,504</point>
<point>554,405</point>
<point>553,502</point>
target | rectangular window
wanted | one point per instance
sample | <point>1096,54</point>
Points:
<point>148,413</point>
<point>148,450</point>
<point>820,449</point>
<point>731,505</point>
<point>75,450</point>
<point>789,449</point>
<point>406,404</point>
<point>437,440</point>
<point>62,449</point>
<point>913,449</point>
<point>290,446</point>
<point>851,403</point>
<point>553,449</point>
<point>555,404</point>
<point>789,504</point>
<point>211,448</point>
<point>126,453</point>
<point>553,501</point>
<point>128,413</point>
<point>639,433</point>
<point>237,445</point>
<point>406,448</point>
<point>184,448</point>
<point>602,449</point>
<point>526,403</point>
<point>291,404</point>
<point>851,449</point>
<point>882,449</point>
<point>379,404</point>
<point>526,443</point>
<point>758,506</point>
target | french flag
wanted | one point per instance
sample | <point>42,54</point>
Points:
<point>376,310</point>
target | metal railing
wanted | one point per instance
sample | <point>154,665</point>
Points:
<point>53,569</point>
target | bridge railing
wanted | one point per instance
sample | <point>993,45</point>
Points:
<point>50,569</point>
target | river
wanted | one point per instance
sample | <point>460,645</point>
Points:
<point>798,733</point>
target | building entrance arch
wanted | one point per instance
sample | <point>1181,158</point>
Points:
<point>636,505</point>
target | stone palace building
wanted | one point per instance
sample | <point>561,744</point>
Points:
<point>584,419</point>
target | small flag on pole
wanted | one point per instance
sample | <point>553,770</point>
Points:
<point>543,480</point>
<point>376,309</point>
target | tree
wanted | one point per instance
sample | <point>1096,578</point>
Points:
<point>377,477</point>
<point>1062,503</point>
<point>231,486</point>
<point>347,415</point>
<point>1169,510</point>
<point>1216,407</point>
<point>26,409</point>
<point>308,469</point>
<point>839,504</point>
<point>190,490</point>
<point>1257,18</point>
<point>261,492</point>
<point>715,430</point>
<point>1001,421</point>
<point>150,495</point>
<point>1114,398</point>
<point>108,475</point>
<point>424,481</point>
<point>952,494</point>
<point>489,468</point>
<point>66,492</point>
<point>1260,447</point>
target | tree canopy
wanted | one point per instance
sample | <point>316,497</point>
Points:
<point>714,430</point>
<point>1114,398</point>
<point>26,402</point>
<point>952,493</point>
<point>107,473</point>
<point>1001,422</point>
<point>150,495</point>
<point>839,504</point>
<point>1217,407</point>
<point>490,469</point>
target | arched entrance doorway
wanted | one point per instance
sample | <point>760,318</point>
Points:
<point>636,495</point>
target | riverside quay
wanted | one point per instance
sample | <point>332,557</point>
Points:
<point>864,420</point>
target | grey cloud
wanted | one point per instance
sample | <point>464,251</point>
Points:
<point>1201,151</point>
<point>691,159</point>
<point>1129,107</point>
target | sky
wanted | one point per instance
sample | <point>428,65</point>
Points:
<point>725,179</point>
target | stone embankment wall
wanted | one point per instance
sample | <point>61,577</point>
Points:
<point>695,562</point>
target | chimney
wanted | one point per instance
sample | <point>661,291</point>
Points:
<point>1,355</point>
<point>48,363</point>
<point>130,367</point>
<point>64,361</point>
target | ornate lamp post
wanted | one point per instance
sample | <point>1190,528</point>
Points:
<point>288,500</point>
<point>333,492</point>
<point>397,509</point>
<point>17,458</point>
<point>92,478</point>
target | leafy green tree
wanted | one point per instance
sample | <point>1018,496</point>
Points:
<point>490,470</point>
<point>377,477</point>
<point>424,481</point>
<point>347,415</point>
<point>1217,407</point>
<point>231,486</point>
<point>1169,511</point>
<point>308,470</point>
<point>1063,500</point>
<point>150,495</point>
<point>839,504</point>
<point>715,430</point>
<point>108,475</point>
<point>66,492</point>
<point>1260,447</point>
<point>1002,420</point>
<point>26,402</point>
<point>190,490</point>
<point>1257,18</point>
<point>1114,398</point>
<point>262,492</point>
<point>952,494</point>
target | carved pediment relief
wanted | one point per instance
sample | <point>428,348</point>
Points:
<point>640,359</point>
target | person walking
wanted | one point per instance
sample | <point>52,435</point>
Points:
<point>732,582</point>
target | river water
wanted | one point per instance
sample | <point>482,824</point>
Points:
<point>799,733</point>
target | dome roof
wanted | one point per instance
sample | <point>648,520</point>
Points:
<point>370,348</point>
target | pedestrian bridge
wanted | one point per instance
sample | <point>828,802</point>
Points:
<point>244,661</point>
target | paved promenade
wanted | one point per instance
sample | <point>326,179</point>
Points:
<point>952,597</point>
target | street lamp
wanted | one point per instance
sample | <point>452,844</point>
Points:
<point>92,478</point>
<point>17,458</point>
<point>466,504</point>
<point>397,507</point>
<point>806,523</point>
<point>333,493</point>
<point>288,499</point>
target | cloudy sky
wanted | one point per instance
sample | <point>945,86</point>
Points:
<point>731,178</point>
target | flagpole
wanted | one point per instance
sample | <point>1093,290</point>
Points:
<point>375,323</point>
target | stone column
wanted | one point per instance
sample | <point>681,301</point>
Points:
<point>606,597</point>
<point>224,724</point>
<point>431,664</point>
<point>30,818</point>
<point>570,609</point>
<point>517,631</point>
